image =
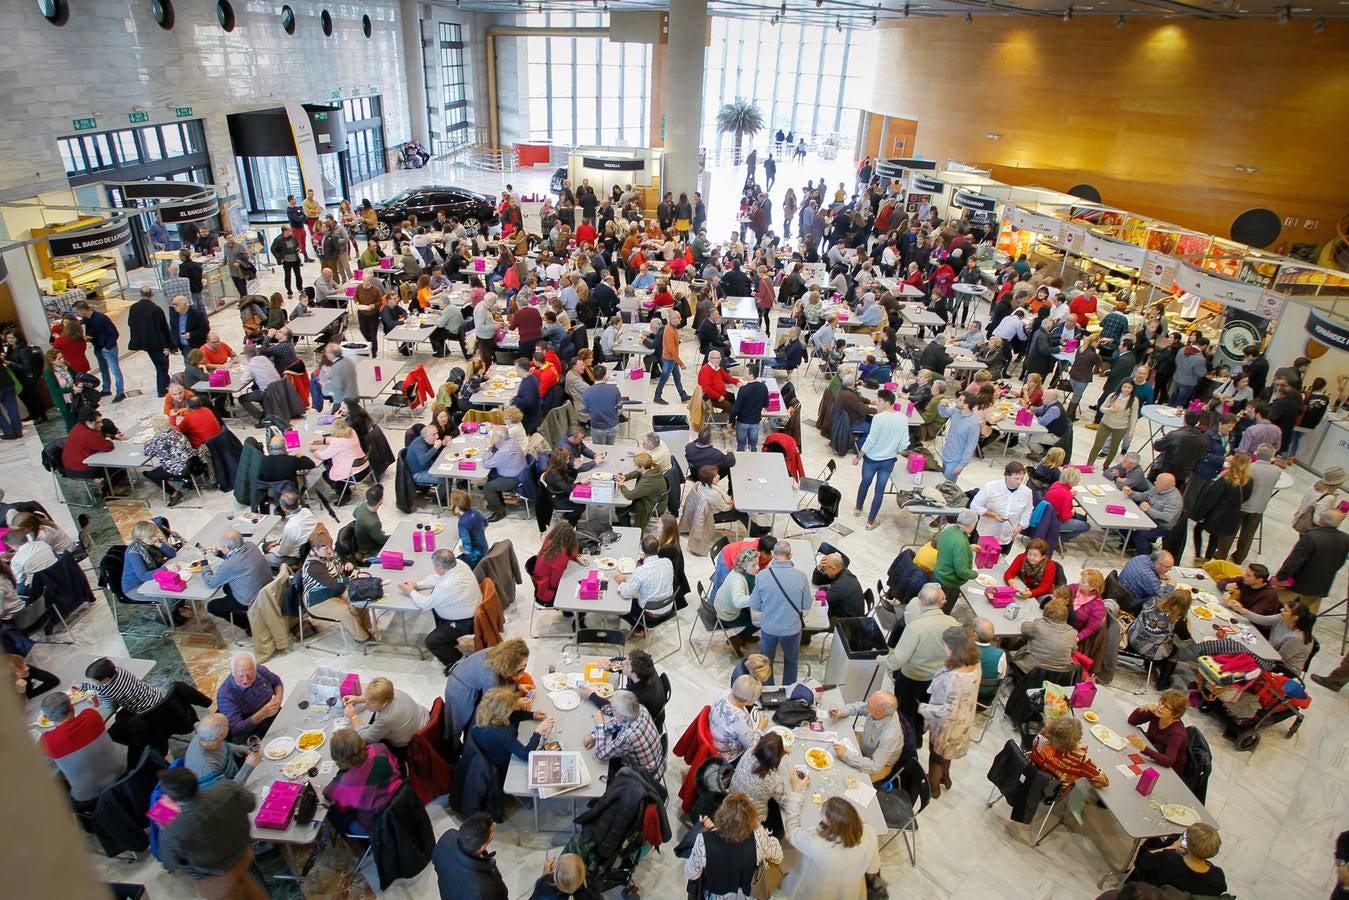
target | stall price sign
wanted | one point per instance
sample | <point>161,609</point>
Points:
<point>84,124</point>
<point>137,118</point>
<point>183,112</point>
<point>1159,269</point>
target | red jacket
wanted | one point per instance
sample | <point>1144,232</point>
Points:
<point>1082,306</point>
<point>529,323</point>
<point>75,733</point>
<point>585,234</point>
<point>547,576</point>
<point>82,443</point>
<point>199,425</point>
<point>1046,583</point>
<point>795,467</point>
<point>714,382</point>
<point>548,375</point>
<point>663,299</point>
<point>1060,496</point>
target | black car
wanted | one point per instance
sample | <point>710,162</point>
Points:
<point>475,211</point>
<point>558,180</point>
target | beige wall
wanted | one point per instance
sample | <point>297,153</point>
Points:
<point>1157,115</point>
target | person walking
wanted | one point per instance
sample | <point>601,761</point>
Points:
<point>1119,415</point>
<point>1264,478</point>
<point>949,710</point>
<point>887,438</point>
<point>149,332</point>
<point>286,250</point>
<point>103,335</point>
<point>671,364</point>
<point>781,594</point>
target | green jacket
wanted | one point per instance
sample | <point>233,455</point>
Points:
<point>369,534</point>
<point>645,492</point>
<point>955,557</point>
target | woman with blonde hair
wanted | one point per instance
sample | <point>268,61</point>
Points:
<point>718,867</point>
<point>474,675</point>
<point>838,857</point>
<point>756,665</point>
<point>496,725</point>
<point>565,877</point>
<point>949,710</point>
<point>342,455</point>
<point>1217,509</point>
<point>1159,623</point>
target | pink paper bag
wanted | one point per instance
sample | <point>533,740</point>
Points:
<point>917,462</point>
<point>1114,509</point>
<point>351,685</point>
<point>386,263</point>
<point>581,492</point>
<point>218,378</point>
<point>467,465</point>
<point>636,374</point>
<point>351,292</point>
<point>357,274</point>
<point>1070,345</point>
<point>170,581</point>
<point>1024,417</point>
<point>1084,692</point>
<point>1147,781</point>
<point>292,440</point>
<point>479,265</point>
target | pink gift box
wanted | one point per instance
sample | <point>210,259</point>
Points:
<point>479,265</point>
<point>774,401</point>
<point>917,462</point>
<point>1147,781</point>
<point>278,806</point>
<point>1001,596</point>
<point>1084,692</point>
<point>468,428</point>
<point>391,559</point>
<point>170,581</point>
<point>1024,417</point>
<point>750,348</point>
<point>292,440</point>
<point>351,685</point>
<point>581,492</point>
<point>1069,346</point>
<point>589,588</point>
<point>891,386</point>
<point>843,317</point>
<point>357,274</point>
<point>1114,509</point>
<point>467,465</point>
<point>218,378</point>
<point>386,263</point>
<point>351,292</point>
<point>636,374</point>
<point>1085,470</point>
<point>820,597</point>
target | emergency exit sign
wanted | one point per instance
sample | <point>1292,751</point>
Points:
<point>183,112</point>
<point>84,124</point>
<point>137,118</point>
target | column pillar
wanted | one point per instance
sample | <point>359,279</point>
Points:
<point>414,73</point>
<point>683,94</point>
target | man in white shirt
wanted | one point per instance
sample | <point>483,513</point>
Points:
<point>651,586</point>
<point>1004,505</point>
<point>1011,327</point>
<point>30,557</point>
<point>327,292</point>
<point>453,599</point>
<point>295,534</point>
<point>1058,308</point>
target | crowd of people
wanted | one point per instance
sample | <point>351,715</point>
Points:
<point>1211,478</point>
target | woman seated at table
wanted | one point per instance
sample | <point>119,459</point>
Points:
<point>325,586</point>
<point>1035,570</point>
<point>1033,391</point>
<point>342,455</point>
<point>1058,750</point>
<point>496,726</point>
<point>1153,633</point>
<point>1289,631</point>
<point>442,420</point>
<point>1169,740</point>
<point>835,856</point>
<point>559,548</point>
<point>718,866</point>
<point>559,478</point>
<point>366,781</point>
<point>1046,472</point>
<point>757,665</point>
<point>175,401</point>
<point>371,255</point>
<point>147,553</point>
<point>761,777</point>
<point>1050,640</point>
<point>1183,863</point>
<point>1089,614</point>
<point>733,598</point>
<point>1060,496</point>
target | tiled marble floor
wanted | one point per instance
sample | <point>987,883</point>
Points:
<point>1280,807</point>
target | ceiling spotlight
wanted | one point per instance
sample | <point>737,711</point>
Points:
<point>1284,15</point>
<point>1318,26</point>
<point>1119,21</point>
<point>969,19</point>
<point>774,20</point>
<point>1068,14</point>
<point>993,136</point>
<point>906,10</point>
<point>1247,170</point>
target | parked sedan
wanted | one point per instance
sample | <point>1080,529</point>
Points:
<point>475,211</point>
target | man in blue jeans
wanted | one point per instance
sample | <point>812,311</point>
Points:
<point>103,335</point>
<point>888,437</point>
<point>781,595</point>
<point>747,412</point>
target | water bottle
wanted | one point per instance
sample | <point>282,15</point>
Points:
<point>429,540</point>
<point>417,539</point>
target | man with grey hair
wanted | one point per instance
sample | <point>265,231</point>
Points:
<point>992,660</point>
<point>212,757</point>
<point>1163,504</point>
<point>920,653</point>
<point>955,556</point>
<point>240,568</point>
<point>886,740</point>
<point>296,531</point>
<point>453,599</point>
<point>1128,473</point>
<point>1051,414</point>
<point>658,451</point>
<point>1264,477</point>
<point>627,735</point>
<point>504,461</point>
<point>80,747</point>
<point>1146,577</point>
<point>249,698</point>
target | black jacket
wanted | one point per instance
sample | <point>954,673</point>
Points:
<point>197,327</point>
<point>463,876</point>
<point>545,889</point>
<point>1122,366</point>
<point>147,327</point>
<point>1218,507</point>
<point>737,283</point>
<point>605,297</point>
<point>191,270</point>
<point>477,783</point>
<point>698,457</point>
<point>934,357</point>
<point>1040,355</point>
<point>750,402</point>
<point>120,820</point>
<point>64,585</point>
<point>401,841</point>
<point>612,819</point>
<point>1315,560</point>
<point>1020,782</point>
<point>1179,452</point>
<point>404,488</point>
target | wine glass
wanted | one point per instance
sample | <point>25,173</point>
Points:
<point>254,743</point>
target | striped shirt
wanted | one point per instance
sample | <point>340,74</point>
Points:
<point>636,741</point>
<point>1067,766</point>
<point>128,692</point>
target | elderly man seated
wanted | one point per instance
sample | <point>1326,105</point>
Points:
<point>80,747</point>
<point>734,729</point>
<point>624,731</point>
<point>886,740</point>
<point>1146,577</point>
<point>295,533</point>
<point>249,698</point>
<point>213,758</point>
<point>1128,473</point>
<point>716,381</point>
<point>241,570</point>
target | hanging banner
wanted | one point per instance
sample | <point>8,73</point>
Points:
<point>306,150</point>
<point>1217,288</point>
<point>163,190</point>
<point>613,165</point>
<point>1159,270</point>
<point>926,185</point>
<point>1047,226</point>
<point>176,215</point>
<point>1117,252</point>
<point>1270,305</point>
<point>91,239</point>
<point>1327,331</point>
<point>974,202</point>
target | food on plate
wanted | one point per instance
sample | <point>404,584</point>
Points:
<point>310,739</point>
<point>1179,813</point>
<point>1108,737</point>
<point>607,562</point>
<point>279,748</point>
<point>852,782</point>
<point>555,681</point>
<point>1091,716</point>
<point>472,451</point>
<point>437,528</point>
<point>78,695</point>
<point>817,799</point>
<point>44,722</point>
<point>986,580</point>
<point>627,565</point>
<point>817,758</point>
<point>604,691</point>
<point>298,766</point>
<point>1202,612</point>
<point>787,737</point>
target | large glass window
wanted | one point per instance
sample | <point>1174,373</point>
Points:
<point>453,85</point>
<point>134,154</point>
<point>807,79</point>
<point>270,179</point>
<point>365,138</point>
<point>586,90</point>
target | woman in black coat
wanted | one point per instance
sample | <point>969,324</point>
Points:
<point>1217,510</point>
<point>27,364</point>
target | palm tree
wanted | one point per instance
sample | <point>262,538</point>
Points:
<point>740,118</point>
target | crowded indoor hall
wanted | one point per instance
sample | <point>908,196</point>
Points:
<point>491,450</point>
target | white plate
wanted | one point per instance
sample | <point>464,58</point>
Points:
<point>986,580</point>
<point>787,737</point>
<point>565,700</point>
<point>556,681</point>
<point>1108,737</point>
<point>607,563</point>
<point>299,765</point>
<point>1179,814</point>
<point>604,691</point>
<point>279,748</point>
<point>627,565</point>
<point>811,756</point>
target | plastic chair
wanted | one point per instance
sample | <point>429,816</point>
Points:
<point>903,796</point>
<point>650,622</point>
<point>1053,792</point>
<point>707,614</point>
<point>353,478</point>
<point>823,516</point>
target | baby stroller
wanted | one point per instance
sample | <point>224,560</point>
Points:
<point>1251,705</point>
<point>616,827</point>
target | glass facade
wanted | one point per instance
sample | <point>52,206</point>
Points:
<point>585,90</point>
<point>811,80</point>
<point>364,155</point>
<point>174,150</point>
<point>453,86</point>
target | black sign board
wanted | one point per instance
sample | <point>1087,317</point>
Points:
<point>92,239</point>
<point>195,212</point>
<point>163,190</point>
<point>928,185</point>
<point>613,165</point>
<point>974,202</point>
<point>1328,332</point>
